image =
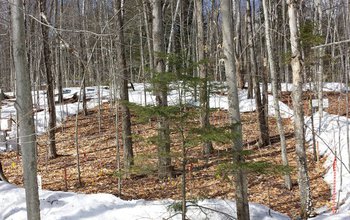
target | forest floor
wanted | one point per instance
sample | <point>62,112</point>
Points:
<point>97,149</point>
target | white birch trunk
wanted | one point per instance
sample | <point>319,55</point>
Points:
<point>303,177</point>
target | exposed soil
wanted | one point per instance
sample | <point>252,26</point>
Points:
<point>98,164</point>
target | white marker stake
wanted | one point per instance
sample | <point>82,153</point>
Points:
<point>40,186</point>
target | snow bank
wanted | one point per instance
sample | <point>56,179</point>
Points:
<point>71,206</point>
<point>327,87</point>
<point>331,136</point>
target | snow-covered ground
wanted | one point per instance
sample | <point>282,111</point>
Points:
<point>331,136</point>
<point>66,205</point>
<point>63,205</point>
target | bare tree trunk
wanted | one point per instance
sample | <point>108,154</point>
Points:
<point>347,72</point>
<point>49,80</point>
<point>59,6</point>
<point>235,120</point>
<point>164,158</point>
<point>76,140</point>
<point>24,107</point>
<point>172,33</point>
<point>260,108</point>
<point>238,49</point>
<point>148,35</point>
<point>285,44</point>
<point>204,98</point>
<point>124,93</point>
<point>320,54</point>
<point>303,177</point>
<point>142,57</point>
<point>287,178</point>
<point>102,63</point>
<point>246,61</point>
<point>83,46</point>
<point>183,170</point>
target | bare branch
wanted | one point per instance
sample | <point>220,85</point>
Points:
<point>330,44</point>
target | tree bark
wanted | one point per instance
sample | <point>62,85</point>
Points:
<point>58,7</point>
<point>296,63</point>
<point>238,45</point>
<point>24,107</point>
<point>164,158</point>
<point>124,93</point>
<point>203,93</point>
<point>246,60</point>
<point>264,138</point>
<point>287,178</point>
<point>285,43</point>
<point>235,120</point>
<point>84,51</point>
<point>49,80</point>
<point>320,64</point>
<point>148,36</point>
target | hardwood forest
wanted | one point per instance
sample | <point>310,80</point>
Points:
<point>176,100</point>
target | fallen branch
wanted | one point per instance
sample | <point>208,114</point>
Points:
<point>212,210</point>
